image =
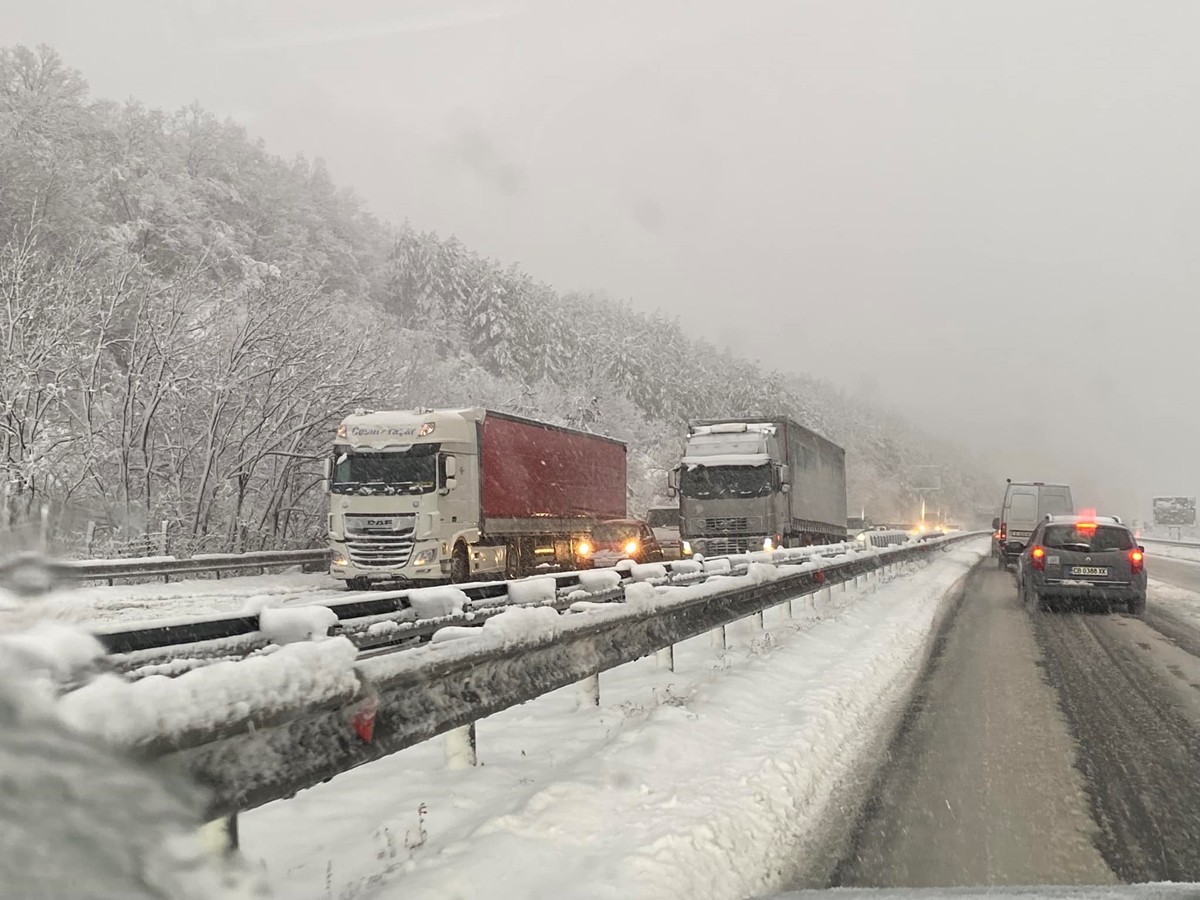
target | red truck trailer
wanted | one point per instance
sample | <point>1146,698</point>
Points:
<point>429,495</point>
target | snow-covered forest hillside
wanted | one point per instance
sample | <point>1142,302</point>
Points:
<point>186,317</point>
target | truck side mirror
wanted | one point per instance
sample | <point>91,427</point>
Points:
<point>673,483</point>
<point>996,524</point>
<point>451,484</point>
<point>451,468</point>
<point>785,488</point>
<point>785,476</point>
<point>328,472</point>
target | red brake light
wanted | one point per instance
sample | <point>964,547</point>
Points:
<point>1137,560</point>
<point>1037,558</point>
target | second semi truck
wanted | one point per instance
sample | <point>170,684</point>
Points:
<point>759,483</point>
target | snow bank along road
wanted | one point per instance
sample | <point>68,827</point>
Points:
<point>695,783</point>
<point>1057,748</point>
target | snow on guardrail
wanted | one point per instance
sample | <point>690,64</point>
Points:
<point>385,620</point>
<point>324,709</point>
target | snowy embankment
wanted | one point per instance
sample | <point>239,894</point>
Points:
<point>1170,550</point>
<point>1178,601</point>
<point>696,783</point>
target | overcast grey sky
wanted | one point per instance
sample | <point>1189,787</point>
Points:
<point>984,215</point>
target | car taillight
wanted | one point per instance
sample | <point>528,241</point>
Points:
<point>1037,558</point>
<point>997,535</point>
<point>1137,560</point>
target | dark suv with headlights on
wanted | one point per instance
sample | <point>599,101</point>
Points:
<point>1094,559</point>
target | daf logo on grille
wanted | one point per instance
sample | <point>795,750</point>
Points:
<point>1087,559</point>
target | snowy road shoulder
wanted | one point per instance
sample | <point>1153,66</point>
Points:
<point>696,783</point>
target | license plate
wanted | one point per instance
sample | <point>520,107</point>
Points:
<point>1090,570</point>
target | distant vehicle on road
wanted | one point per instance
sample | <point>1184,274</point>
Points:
<point>883,536</point>
<point>1025,504</point>
<point>616,540</point>
<point>664,520</point>
<point>1090,558</point>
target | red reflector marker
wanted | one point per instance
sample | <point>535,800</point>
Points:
<point>362,718</point>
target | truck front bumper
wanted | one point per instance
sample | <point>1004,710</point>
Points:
<point>423,564</point>
<point>726,545</point>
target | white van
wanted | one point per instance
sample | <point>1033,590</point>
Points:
<point>1026,503</point>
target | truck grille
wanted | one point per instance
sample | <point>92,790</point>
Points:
<point>725,546</point>
<point>731,524</point>
<point>379,548</point>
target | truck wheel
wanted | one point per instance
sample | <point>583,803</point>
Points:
<point>1138,607</point>
<point>512,561</point>
<point>460,566</point>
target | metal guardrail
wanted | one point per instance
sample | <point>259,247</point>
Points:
<point>1169,542</point>
<point>414,696</point>
<point>484,599</point>
<point>376,605</point>
<point>167,566</point>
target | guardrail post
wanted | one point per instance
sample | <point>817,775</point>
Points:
<point>665,658</point>
<point>220,836</point>
<point>786,606</point>
<point>716,638</point>
<point>461,748</point>
<point>758,620</point>
<point>588,692</point>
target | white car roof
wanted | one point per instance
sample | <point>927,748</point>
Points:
<point>1074,520</point>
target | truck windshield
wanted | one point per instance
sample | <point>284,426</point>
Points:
<point>391,472</point>
<point>725,482</point>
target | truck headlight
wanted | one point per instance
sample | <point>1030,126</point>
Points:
<point>768,544</point>
<point>340,561</point>
<point>426,557</point>
<point>686,547</point>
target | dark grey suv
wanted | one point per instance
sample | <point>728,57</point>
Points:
<point>1093,559</point>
